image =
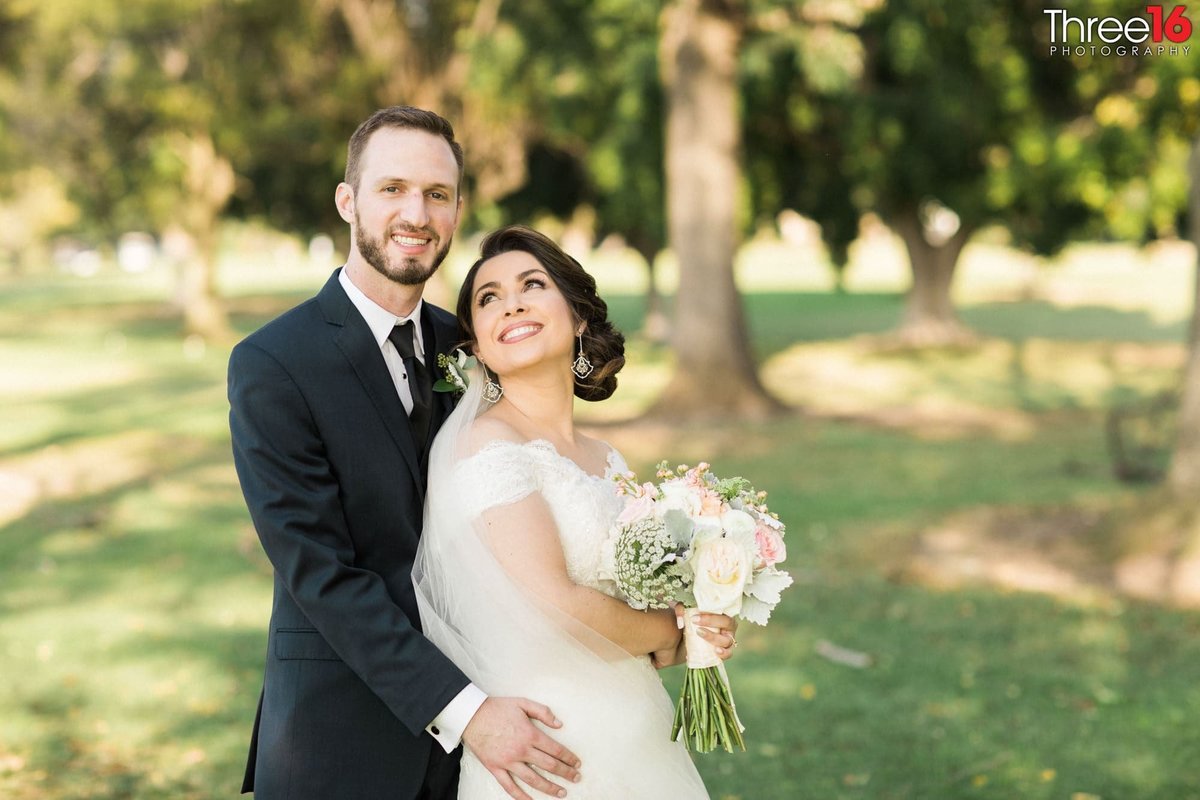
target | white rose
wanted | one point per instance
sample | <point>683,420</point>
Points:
<point>679,496</point>
<point>722,568</point>
<point>704,529</point>
<point>739,526</point>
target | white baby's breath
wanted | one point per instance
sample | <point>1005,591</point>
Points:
<point>643,564</point>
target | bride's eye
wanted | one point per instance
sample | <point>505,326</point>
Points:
<point>538,282</point>
<point>485,298</point>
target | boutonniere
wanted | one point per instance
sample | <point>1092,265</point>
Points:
<point>454,372</point>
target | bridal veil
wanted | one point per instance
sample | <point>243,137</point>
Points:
<point>616,716</point>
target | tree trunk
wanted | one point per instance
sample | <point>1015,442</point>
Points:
<point>839,277</point>
<point>656,327</point>
<point>929,316</point>
<point>1161,533</point>
<point>715,373</point>
<point>1184,476</point>
<point>208,183</point>
<point>203,313</point>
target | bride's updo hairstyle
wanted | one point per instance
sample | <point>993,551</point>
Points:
<point>603,345</point>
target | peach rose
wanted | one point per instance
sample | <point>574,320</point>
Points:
<point>711,504</point>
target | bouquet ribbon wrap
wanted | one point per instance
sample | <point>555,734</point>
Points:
<point>701,654</point>
<point>706,714</point>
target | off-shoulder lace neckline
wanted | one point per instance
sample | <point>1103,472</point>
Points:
<point>610,461</point>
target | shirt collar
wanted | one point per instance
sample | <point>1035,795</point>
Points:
<point>379,319</point>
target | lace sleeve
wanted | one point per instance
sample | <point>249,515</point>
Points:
<point>501,473</point>
<point>616,462</point>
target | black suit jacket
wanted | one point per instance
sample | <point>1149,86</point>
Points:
<point>335,486</point>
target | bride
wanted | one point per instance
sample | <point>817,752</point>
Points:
<point>519,501</point>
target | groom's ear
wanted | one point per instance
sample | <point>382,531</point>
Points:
<point>343,198</point>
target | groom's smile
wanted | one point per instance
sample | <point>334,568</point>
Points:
<point>410,244</point>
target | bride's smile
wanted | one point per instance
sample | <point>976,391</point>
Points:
<point>519,332</point>
<point>521,318</point>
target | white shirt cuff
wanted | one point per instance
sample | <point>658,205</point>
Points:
<point>449,726</point>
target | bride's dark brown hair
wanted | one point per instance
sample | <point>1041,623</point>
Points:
<point>603,344</point>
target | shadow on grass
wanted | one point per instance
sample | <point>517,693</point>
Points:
<point>210,738</point>
<point>128,604</point>
<point>185,535</point>
<point>780,319</point>
<point>165,400</point>
<point>1037,319</point>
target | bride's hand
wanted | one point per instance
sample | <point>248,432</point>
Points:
<point>717,629</point>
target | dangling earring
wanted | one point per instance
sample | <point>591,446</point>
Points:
<point>492,391</point>
<point>582,367</point>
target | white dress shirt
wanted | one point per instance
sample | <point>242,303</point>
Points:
<point>381,321</point>
<point>448,726</point>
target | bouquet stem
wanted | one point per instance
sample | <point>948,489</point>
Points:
<point>705,713</point>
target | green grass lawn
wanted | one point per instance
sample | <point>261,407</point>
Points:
<point>134,596</point>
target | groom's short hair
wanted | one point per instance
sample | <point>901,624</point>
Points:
<point>399,117</point>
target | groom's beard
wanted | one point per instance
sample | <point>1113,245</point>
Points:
<point>409,271</point>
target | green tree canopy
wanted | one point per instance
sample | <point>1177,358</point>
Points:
<point>962,120</point>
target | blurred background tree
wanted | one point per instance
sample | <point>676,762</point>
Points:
<point>699,66</point>
<point>149,112</point>
<point>953,122</point>
<point>147,115</point>
<point>803,61</point>
<point>1164,107</point>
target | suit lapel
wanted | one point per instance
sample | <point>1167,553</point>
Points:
<point>439,338</point>
<point>352,336</point>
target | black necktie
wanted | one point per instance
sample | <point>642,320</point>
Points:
<point>419,384</point>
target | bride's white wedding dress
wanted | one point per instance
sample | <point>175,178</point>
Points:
<point>615,711</point>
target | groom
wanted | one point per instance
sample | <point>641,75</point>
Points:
<point>332,415</point>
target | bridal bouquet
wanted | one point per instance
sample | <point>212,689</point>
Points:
<point>712,545</point>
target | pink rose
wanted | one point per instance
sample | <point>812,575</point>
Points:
<point>636,509</point>
<point>771,549</point>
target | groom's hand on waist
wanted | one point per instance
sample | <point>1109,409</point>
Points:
<point>505,740</point>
